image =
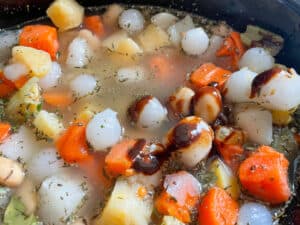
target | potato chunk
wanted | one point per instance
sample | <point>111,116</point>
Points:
<point>65,14</point>
<point>38,61</point>
<point>25,102</point>
<point>124,207</point>
<point>225,178</point>
<point>122,44</point>
<point>48,124</point>
<point>153,38</point>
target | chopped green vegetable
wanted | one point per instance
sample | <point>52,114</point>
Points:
<point>255,36</point>
<point>14,214</point>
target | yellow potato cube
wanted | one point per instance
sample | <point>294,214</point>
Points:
<point>124,207</point>
<point>25,102</point>
<point>153,38</point>
<point>48,124</point>
<point>122,44</point>
<point>225,178</point>
<point>38,61</point>
<point>65,14</point>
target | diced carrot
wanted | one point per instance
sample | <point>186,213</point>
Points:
<point>72,145</point>
<point>58,99</point>
<point>21,81</point>
<point>231,154</point>
<point>233,47</point>
<point>264,175</point>
<point>180,195</point>
<point>5,130</point>
<point>117,160</point>
<point>207,74</point>
<point>217,208</point>
<point>167,205</point>
<point>7,87</point>
<point>41,37</point>
<point>94,24</point>
<point>160,65</point>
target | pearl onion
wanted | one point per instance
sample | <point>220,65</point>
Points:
<point>207,103</point>
<point>83,84</point>
<point>257,59</point>
<point>104,130</point>
<point>192,137</point>
<point>180,101</point>
<point>14,71</point>
<point>195,41</point>
<point>51,79</point>
<point>148,112</point>
<point>254,214</point>
<point>131,20</point>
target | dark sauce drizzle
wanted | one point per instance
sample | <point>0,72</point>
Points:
<point>262,79</point>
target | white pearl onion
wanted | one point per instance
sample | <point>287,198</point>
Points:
<point>180,101</point>
<point>238,86</point>
<point>79,53</point>
<point>83,84</point>
<point>52,78</point>
<point>207,104</point>
<point>148,112</point>
<point>257,59</point>
<point>131,20</point>
<point>104,130</point>
<point>195,41</point>
<point>191,151</point>
<point>254,214</point>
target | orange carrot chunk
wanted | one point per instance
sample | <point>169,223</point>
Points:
<point>41,37</point>
<point>264,175</point>
<point>58,99</point>
<point>5,130</point>
<point>232,47</point>
<point>7,87</point>
<point>94,24</point>
<point>217,208</point>
<point>117,161</point>
<point>72,145</point>
<point>180,195</point>
<point>207,74</point>
<point>21,81</point>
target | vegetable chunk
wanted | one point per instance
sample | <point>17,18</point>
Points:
<point>125,207</point>
<point>40,37</point>
<point>65,14</point>
<point>217,208</point>
<point>264,175</point>
<point>38,61</point>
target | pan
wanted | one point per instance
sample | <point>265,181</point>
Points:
<point>282,17</point>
